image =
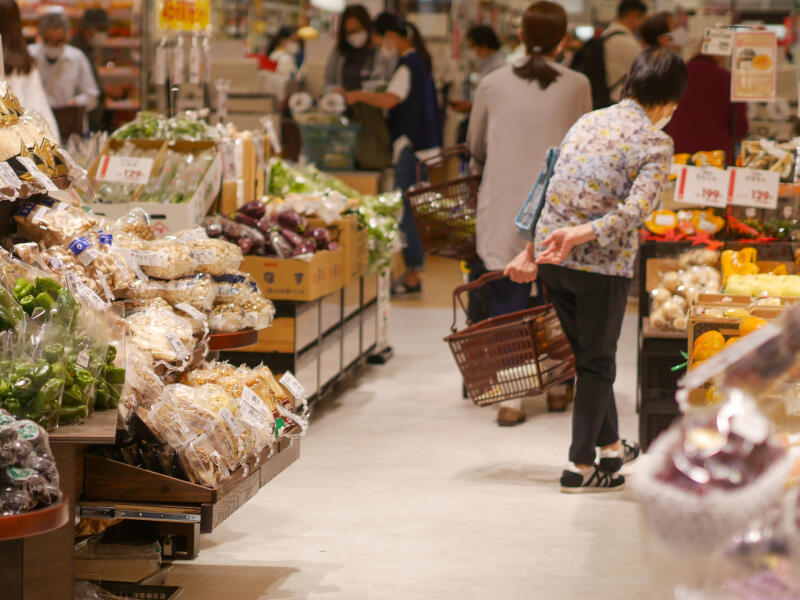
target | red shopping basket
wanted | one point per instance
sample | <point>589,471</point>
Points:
<point>516,355</point>
<point>445,212</point>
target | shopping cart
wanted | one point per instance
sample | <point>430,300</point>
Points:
<point>516,355</point>
<point>445,212</point>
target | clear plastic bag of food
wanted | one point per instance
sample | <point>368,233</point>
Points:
<point>215,256</point>
<point>203,463</point>
<point>199,291</point>
<point>167,336</point>
<point>227,318</point>
<point>143,387</point>
<point>234,288</point>
<point>166,421</point>
<point>259,312</point>
<point>54,223</point>
<point>210,372</point>
<point>136,223</point>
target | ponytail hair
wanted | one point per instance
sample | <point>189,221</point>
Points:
<point>387,21</point>
<point>544,25</point>
<point>419,45</point>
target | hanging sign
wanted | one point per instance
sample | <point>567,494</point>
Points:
<point>753,187</point>
<point>183,14</point>
<point>753,73</point>
<point>702,186</point>
<point>718,41</point>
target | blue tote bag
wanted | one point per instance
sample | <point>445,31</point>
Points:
<point>530,212</point>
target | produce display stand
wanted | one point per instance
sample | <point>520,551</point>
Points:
<point>15,530</point>
<point>320,341</point>
<point>228,341</point>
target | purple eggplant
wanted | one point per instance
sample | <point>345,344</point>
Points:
<point>264,225</point>
<point>246,244</point>
<point>253,235</point>
<point>321,236</point>
<point>294,238</point>
<point>246,219</point>
<point>291,220</point>
<point>306,247</point>
<point>280,245</point>
<point>254,209</point>
<point>232,230</point>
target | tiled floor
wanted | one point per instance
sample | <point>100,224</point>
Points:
<point>404,491</point>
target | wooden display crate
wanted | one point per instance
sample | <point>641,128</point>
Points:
<point>657,267</point>
<point>297,278</point>
<point>353,239</point>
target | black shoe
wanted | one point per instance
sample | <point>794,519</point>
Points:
<point>401,288</point>
<point>592,481</point>
<point>628,453</point>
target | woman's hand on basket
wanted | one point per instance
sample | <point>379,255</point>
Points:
<point>561,242</point>
<point>522,268</point>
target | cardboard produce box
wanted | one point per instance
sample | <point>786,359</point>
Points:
<point>296,278</point>
<point>353,240</point>
<point>167,217</point>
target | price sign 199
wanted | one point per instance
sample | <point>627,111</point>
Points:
<point>702,186</point>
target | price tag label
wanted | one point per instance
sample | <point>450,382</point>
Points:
<point>702,186</point>
<point>82,292</point>
<point>253,410</point>
<point>40,177</point>
<point>125,169</point>
<point>666,220</point>
<point>228,160</point>
<point>8,177</point>
<point>752,187</point>
<point>177,345</point>
<point>39,213</point>
<point>101,277</point>
<point>718,41</point>
<point>290,382</point>
<point>204,257</point>
<point>83,359</point>
<point>231,421</point>
<point>191,311</point>
<point>148,258</point>
<point>197,233</point>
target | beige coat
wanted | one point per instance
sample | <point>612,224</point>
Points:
<point>512,124</point>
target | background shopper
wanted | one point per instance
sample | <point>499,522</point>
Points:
<point>21,73</point>
<point>706,119</point>
<point>415,124</point>
<point>656,30</point>
<point>621,45</point>
<point>508,142</point>
<point>65,70</point>
<point>607,180</point>
<point>91,39</point>
<point>283,50</point>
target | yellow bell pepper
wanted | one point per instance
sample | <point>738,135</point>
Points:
<point>712,158</point>
<point>742,262</point>
<point>780,270</point>
<point>706,221</point>
<point>662,221</point>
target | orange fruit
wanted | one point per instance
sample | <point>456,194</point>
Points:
<point>732,341</point>
<point>707,345</point>
<point>750,324</point>
<point>695,364</point>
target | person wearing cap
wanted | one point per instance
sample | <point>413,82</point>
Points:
<point>90,39</point>
<point>65,70</point>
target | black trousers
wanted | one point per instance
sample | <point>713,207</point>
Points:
<point>499,297</point>
<point>591,308</point>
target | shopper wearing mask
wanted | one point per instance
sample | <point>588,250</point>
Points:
<point>606,182</point>
<point>415,124</point>
<point>21,73</point>
<point>283,50</point>
<point>65,70</point>
<point>354,60</point>
<point>90,39</point>
<point>621,45</point>
<point>484,52</point>
<point>656,31</point>
<point>508,142</point>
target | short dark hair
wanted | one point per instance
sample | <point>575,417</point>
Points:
<point>386,22</point>
<point>484,36</point>
<point>627,7</point>
<point>654,27</point>
<point>95,18</point>
<point>353,11</point>
<point>658,76</point>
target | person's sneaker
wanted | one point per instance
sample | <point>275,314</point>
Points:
<point>590,480</point>
<point>401,288</point>
<point>612,461</point>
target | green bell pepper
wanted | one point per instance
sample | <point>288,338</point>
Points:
<point>73,396</point>
<point>10,304</point>
<point>53,352</point>
<point>72,414</point>
<point>44,301</point>
<point>22,288</point>
<point>41,373</point>
<point>115,375</point>
<point>46,399</point>
<point>83,378</point>
<point>13,406</point>
<point>111,353</point>
<point>27,303</point>
<point>7,322</point>
<point>50,286</point>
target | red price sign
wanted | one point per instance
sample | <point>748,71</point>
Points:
<point>702,186</point>
<point>752,187</point>
<point>124,169</point>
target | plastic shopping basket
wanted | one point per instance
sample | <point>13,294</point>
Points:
<point>516,355</point>
<point>445,212</point>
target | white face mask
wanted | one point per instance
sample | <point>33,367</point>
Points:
<point>99,39</point>
<point>53,52</point>
<point>293,47</point>
<point>357,39</point>
<point>679,36</point>
<point>662,122</point>
<point>388,52</point>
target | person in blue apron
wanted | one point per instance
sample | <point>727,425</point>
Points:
<point>415,123</point>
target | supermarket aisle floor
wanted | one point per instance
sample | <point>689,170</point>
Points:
<point>404,491</point>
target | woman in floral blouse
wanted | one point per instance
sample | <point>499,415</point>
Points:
<point>607,180</point>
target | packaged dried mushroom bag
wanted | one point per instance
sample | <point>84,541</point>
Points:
<point>203,463</point>
<point>234,288</point>
<point>227,318</point>
<point>198,291</point>
<point>136,223</point>
<point>214,256</point>
<point>52,222</point>
<point>166,335</point>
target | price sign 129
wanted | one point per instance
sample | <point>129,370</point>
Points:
<point>753,187</point>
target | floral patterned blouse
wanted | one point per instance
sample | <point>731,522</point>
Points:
<point>609,173</point>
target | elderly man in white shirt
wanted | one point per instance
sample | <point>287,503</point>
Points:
<point>65,70</point>
<point>621,45</point>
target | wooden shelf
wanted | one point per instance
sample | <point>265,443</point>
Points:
<point>111,484</point>
<point>789,189</point>
<point>36,522</point>
<point>649,331</point>
<point>230,341</point>
<point>99,428</point>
